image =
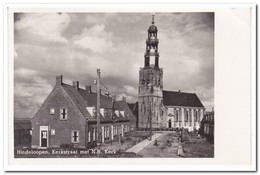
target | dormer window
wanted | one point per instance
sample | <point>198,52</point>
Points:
<point>91,110</point>
<point>103,112</point>
<point>63,114</point>
<point>117,113</point>
<point>122,113</point>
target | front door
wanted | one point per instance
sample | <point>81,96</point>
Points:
<point>44,138</point>
<point>170,123</point>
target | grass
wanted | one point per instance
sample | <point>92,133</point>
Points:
<point>163,150</point>
<point>198,147</point>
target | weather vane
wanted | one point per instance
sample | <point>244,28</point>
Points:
<point>153,18</point>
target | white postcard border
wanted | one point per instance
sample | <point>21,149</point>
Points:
<point>130,164</point>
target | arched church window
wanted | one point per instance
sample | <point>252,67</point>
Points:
<point>186,115</point>
<point>177,115</point>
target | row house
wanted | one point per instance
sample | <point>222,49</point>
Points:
<point>68,117</point>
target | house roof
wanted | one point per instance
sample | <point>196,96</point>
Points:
<point>91,99</point>
<point>22,123</point>
<point>134,108</point>
<point>123,106</point>
<point>178,98</point>
<point>83,98</point>
<point>78,100</point>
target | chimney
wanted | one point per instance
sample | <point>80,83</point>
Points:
<point>76,84</point>
<point>124,99</point>
<point>88,88</point>
<point>59,80</point>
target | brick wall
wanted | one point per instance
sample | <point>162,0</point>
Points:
<point>58,99</point>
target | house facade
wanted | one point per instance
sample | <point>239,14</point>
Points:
<point>207,125</point>
<point>22,132</point>
<point>160,109</point>
<point>67,118</point>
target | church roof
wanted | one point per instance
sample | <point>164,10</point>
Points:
<point>178,98</point>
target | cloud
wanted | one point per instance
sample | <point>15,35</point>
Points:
<point>46,26</point>
<point>76,44</point>
<point>30,91</point>
<point>95,39</point>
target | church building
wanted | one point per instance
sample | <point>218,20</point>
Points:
<point>158,108</point>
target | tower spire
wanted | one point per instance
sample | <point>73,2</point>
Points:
<point>153,18</point>
<point>151,54</point>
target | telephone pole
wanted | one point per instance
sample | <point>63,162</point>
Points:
<point>98,109</point>
<point>151,120</point>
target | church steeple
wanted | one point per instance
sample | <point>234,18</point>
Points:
<point>151,54</point>
<point>150,90</point>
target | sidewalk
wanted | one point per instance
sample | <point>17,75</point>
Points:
<point>140,146</point>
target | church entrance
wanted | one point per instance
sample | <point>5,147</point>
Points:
<point>170,123</point>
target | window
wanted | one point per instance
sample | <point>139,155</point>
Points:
<point>180,115</point>
<point>195,115</point>
<point>122,113</point>
<point>189,115</point>
<point>63,114</point>
<point>88,136</point>
<point>75,136</point>
<point>186,115</point>
<point>94,134</point>
<point>107,132</point>
<point>177,116</point>
<point>91,110</point>
<point>103,112</point>
<point>114,131</point>
<point>52,111</point>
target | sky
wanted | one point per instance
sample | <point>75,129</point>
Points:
<point>76,44</point>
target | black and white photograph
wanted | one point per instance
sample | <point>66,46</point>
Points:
<point>129,87</point>
<point>114,85</point>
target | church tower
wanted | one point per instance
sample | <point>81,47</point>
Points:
<point>150,111</point>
